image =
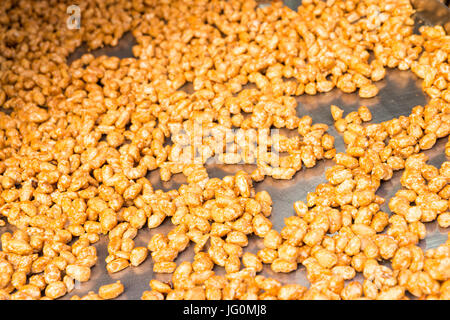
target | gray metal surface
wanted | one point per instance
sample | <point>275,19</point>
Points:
<point>399,92</point>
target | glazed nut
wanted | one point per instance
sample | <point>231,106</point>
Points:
<point>111,291</point>
<point>152,295</point>
<point>291,292</point>
<point>117,265</point>
<point>272,239</point>
<point>284,266</point>
<point>368,91</point>
<point>326,258</point>
<point>79,273</point>
<point>159,286</point>
<point>336,112</point>
<point>138,256</point>
<point>346,272</point>
<point>164,267</point>
<point>56,290</point>
<point>250,260</point>
<point>364,113</point>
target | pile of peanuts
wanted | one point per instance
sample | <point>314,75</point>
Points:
<point>77,142</point>
<point>250,146</point>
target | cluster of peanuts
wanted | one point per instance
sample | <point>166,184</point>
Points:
<point>426,187</point>
<point>348,209</point>
<point>339,231</point>
<point>54,272</point>
<point>77,142</point>
<point>249,146</point>
<point>196,281</point>
<point>227,208</point>
<point>323,45</point>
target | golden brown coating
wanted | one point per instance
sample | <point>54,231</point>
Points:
<point>78,140</point>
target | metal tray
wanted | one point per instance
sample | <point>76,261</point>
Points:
<point>399,92</point>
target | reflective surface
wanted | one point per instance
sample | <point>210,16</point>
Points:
<point>400,91</point>
<point>433,11</point>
